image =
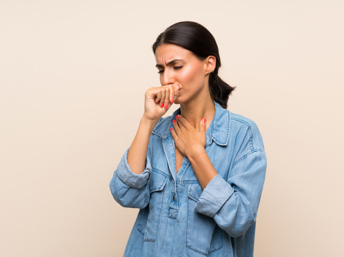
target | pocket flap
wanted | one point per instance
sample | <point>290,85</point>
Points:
<point>157,182</point>
<point>195,191</point>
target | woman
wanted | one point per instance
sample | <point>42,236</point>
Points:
<point>197,176</point>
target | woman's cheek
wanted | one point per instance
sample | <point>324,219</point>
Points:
<point>186,75</point>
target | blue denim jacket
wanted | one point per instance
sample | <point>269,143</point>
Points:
<point>177,218</point>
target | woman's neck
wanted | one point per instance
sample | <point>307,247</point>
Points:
<point>197,109</point>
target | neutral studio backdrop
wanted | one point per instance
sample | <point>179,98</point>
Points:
<point>73,76</point>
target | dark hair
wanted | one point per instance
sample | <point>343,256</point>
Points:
<point>197,39</point>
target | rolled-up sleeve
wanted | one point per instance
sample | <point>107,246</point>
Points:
<point>234,203</point>
<point>128,188</point>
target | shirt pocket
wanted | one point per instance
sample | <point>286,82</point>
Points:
<point>157,184</point>
<point>203,235</point>
<point>142,219</point>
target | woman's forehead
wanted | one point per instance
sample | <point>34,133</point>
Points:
<point>168,52</point>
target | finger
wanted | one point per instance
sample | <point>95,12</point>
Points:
<point>174,135</point>
<point>158,97</point>
<point>203,125</point>
<point>162,100</point>
<point>176,127</point>
<point>181,127</point>
<point>179,124</point>
<point>171,98</point>
<point>167,96</point>
<point>185,123</point>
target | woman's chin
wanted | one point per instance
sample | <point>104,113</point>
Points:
<point>176,101</point>
<point>179,100</point>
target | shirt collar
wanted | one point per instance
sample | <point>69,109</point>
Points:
<point>218,131</point>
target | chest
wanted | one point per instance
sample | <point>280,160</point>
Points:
<point>179,159</point>
<point>164,154</point>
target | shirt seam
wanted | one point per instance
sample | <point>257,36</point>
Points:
<point>246,155</point>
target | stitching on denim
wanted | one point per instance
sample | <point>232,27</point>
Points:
<point>246,155</point>
<point>228,130</point>
<point>253,148</point>
<point>189,181</point>
<point>197,250</point>
<point>152,239</point>
<point>158,125</point>
<point>250,132</point>
<point>202,252</point>
<point>161,172</point>
<point>186,234</point>
<point>241,121</point>
<point>191,195</point>
<point>140,229</point>
<point>193,198</point>
<point>160,187</point>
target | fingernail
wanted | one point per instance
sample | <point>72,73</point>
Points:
<point>203,120</point>
<point>171,129</point>
<point>177,116</point>
<point>166,106</point>
<point>161,105</point>
<point>172,100</point>
<point>174,121</point>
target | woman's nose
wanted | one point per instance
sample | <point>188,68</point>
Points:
<point>167,78</point>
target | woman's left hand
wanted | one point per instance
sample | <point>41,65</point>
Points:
<point>187,139</point>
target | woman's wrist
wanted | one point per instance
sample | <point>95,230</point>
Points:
<point>196,153</point>
<point>148,123</point>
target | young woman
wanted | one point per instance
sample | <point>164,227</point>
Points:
<point>197,176</point>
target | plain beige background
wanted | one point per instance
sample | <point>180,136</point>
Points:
<point>73,76</point>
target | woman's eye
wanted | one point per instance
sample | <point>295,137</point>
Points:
<point>174,68</point>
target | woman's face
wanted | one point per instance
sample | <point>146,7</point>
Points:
<point>177,64</point>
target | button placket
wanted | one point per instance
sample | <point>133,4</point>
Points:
<point>173,211</point>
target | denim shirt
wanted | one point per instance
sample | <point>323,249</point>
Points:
<point>177,218</point>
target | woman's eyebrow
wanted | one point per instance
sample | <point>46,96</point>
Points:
<point>170,62</point>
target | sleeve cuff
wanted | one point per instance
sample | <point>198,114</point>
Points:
<point>129,177</point>
<point>214,196</point>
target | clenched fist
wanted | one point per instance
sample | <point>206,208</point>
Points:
<point>159,99</point>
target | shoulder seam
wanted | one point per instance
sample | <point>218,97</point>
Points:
<point>250,131</point>
<point>246,155</point>
<point>250,128</point>
<point>241,121</point>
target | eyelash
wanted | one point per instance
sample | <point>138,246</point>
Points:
<point>174,67</point>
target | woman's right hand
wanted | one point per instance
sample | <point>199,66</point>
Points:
<point>155,97</point>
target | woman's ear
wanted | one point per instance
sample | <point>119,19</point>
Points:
<point>210,64</point>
